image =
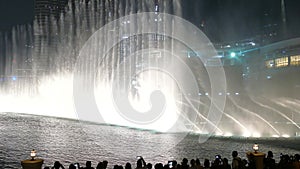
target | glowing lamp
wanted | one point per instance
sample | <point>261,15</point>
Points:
<point>232,54</point>
<point>255,147</point>
<point>32,154</point>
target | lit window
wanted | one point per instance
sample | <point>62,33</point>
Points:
<point>282,62</point>
<point>295,60</point>
<point>270,63</point>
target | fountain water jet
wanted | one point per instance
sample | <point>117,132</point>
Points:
<point>52,45</point>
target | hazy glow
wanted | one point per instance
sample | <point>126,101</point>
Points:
<point>228,134</point>
<point>54,98</point>
<point>219,133</point>
<point>256,134</point>
<point>285,135</point>
<point>246,134</point>
<point>148,82</point>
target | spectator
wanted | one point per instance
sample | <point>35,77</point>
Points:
<point>166,166</point>
<point>158,166</point>
<point>193,164</point>
<point>236,161</point>
<point>269,162</point>
<point>225,164</point>
<point>173,164</point>
<point>217,163</point>
<point>100,165</point>
<point>284,162</point>
<point>128,166</point>
<point>72,166</point>
<point>105,164</point>
<point>58,165</point>
<point>198,164</point>
<point>296,163</point>
<point>149,166</point>
<point>184,164</point>
<point>116,167</point>
<point>88,165</point>
<point>206,164</point>
<point>141,164</point>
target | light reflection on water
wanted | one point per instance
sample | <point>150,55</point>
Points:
<point>71,141</point>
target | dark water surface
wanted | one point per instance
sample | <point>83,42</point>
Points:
<point>71,141</point>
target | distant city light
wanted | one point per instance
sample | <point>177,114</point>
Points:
<point>14,78</point>
<point>156,8</point>
<point>219,56</point>
<point>232,54</point>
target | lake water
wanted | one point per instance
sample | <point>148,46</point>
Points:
<point>72,141</point>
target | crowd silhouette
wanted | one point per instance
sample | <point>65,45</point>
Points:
<point>285,162</point>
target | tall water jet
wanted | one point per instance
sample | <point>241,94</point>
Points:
<point>106,55</point>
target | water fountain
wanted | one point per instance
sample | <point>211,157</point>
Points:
<point>126,64</point>
<point>57,56</point>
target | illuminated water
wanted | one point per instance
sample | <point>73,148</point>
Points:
<point>39,77</point>
<point>70,141</point>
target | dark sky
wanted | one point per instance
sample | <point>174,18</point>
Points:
<point>14,12</point>
<point>230,20</point>
<point>224,20</point>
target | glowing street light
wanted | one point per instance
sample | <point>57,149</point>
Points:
<point>255,148</point>
<point>32,154</point>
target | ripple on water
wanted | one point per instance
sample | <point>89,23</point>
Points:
<point>71,141</point>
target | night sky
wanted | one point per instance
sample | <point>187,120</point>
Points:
<point>223,20</point>
<point>230,20</point>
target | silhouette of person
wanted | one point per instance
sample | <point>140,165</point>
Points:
<point>158,166</point>
<point>193,164</point>
<point>149,166</point>
<point>141,164</point>
<point>198,164</point>
<point>225,164</point>
<point>100,165</point>
<point>115,167</point>
<point>269,162</point>
<point>206,164</point>
<point>105,164</point>
<point>296,163</point>
<point>184,164</point>
<point>128,166</point>
<point>88,165</point>
<point>236,161</point>
<point>217,163</point>
<point>72,166</point>
<point>58,165</point>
